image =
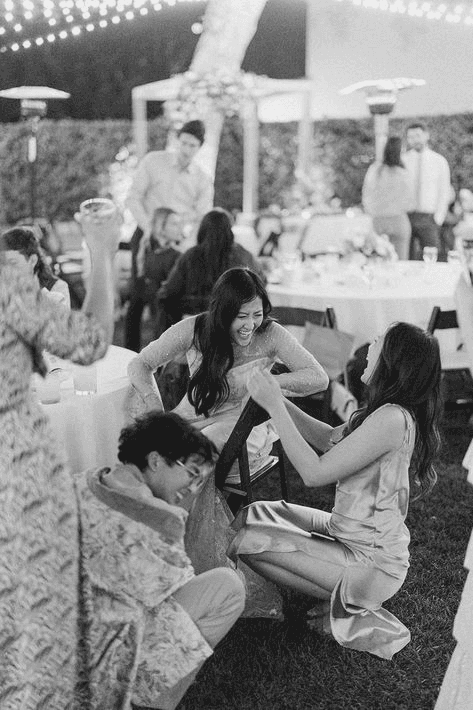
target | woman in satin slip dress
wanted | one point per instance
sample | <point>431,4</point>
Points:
<point>356,557</point>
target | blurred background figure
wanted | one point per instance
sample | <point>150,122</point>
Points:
<point>447,230</point>
<point>187,290</point>
<point>155,257</point>
<point>388,197</point>
<point>20,244</point>
<point>430,176</point>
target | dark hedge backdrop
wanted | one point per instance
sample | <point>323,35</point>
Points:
<point>75,157</point>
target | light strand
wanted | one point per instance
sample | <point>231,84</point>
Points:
<point>451,12</point>
<point>41,22</point>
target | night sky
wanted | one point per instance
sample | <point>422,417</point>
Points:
<point>100,69</point>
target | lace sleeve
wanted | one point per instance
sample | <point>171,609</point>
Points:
<point>173,343</point>
<point>43,324</point>
<point>306,375</point>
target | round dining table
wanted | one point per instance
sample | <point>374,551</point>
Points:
<point>88,426</point>
<point>367,301</point>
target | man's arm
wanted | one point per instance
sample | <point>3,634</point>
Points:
<point>443,191</point>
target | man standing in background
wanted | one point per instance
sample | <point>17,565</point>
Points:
<point>430,176</point>
<point>166,179</point>
<point>171,179</point>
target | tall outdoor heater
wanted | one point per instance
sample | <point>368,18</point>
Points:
<point>381,97</point>
<point>33,106</point>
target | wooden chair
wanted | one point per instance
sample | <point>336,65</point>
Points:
<point>293,317</point>
<point>235,450</point>
<point>454,362</point>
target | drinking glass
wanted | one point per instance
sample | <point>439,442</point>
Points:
<point>85,380</point>
<point>430,255</point>
<point>98,206</point>
<point>454,258</point>
<point>368,274</point>
<point>48,388</point>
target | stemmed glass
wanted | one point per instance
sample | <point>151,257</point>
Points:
<point>430,255</point>
<point>368,274</point>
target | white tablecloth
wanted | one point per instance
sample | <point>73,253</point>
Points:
<point>88,427</point>
<point>408,292</point>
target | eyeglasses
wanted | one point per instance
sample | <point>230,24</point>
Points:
<point>194,471</point>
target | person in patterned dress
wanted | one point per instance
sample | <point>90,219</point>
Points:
<point>41,666</point>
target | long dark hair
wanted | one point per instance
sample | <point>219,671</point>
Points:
<point>214,243</point>
<point>408,374</point>
<point>392,152</point>
<point>208,386</point>
<point>25,241</point>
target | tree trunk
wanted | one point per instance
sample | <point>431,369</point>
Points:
<point>229,26</point>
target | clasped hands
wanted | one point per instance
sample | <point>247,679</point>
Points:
<point>264,389</point>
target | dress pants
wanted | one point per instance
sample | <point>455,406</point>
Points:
<point>425,233</point>
<point>214,600</point>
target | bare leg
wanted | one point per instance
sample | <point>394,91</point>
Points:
<point>314,576</point>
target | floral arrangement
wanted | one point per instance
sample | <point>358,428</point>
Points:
<point>371,246</point>
<point>199,93</point>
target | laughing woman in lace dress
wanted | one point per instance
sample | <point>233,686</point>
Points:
<point>39,546</point>
<point>222,346</point>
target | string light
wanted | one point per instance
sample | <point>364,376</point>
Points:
<point>451,12</point>
<point>37,22</point>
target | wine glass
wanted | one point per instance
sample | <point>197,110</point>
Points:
<point>430,255</point>
<point>368,274</point>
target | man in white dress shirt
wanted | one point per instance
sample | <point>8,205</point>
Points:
<point>430,175</point>
<point>173,180</point>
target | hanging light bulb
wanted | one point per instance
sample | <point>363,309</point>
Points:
<point>33,21</point>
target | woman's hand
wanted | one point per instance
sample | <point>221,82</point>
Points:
<point>264,389</point>
<point>101,229</point>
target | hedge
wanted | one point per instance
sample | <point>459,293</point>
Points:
<point>75,157</point>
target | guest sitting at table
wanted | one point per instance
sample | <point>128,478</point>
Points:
<point>187,290</point>
<point>356,557</point>
<point>154,260</point>
<point>222,346</point>
<point>21,243</point>
<point>388,197</point>
<point>143,588</point>
<point>41,661</point>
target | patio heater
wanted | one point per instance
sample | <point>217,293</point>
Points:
<point>381,97</point>
<point>33,107</point>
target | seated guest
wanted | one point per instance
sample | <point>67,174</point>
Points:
<point>222,346</point>
<point>153,621</point>
<point>22,243</point>
<point>41,660</point>
<point>356,557</point>
<point>156,255</point>
<point>187,290</point>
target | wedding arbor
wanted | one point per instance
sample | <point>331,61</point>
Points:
<point>265,102</point>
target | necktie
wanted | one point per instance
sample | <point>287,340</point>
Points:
<point>418,192</point>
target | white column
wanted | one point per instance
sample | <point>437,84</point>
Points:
<point>381,128</point>
<point>250,158</point>
<point>140,124</point>
<point>305,135</point>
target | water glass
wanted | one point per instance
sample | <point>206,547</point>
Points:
<point>430,255</point>
<point>48,388</point>
<point>85,380</point>
<point>454,258</point>
<point>98,206</point>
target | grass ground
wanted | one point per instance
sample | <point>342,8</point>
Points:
<point>270,665</point>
